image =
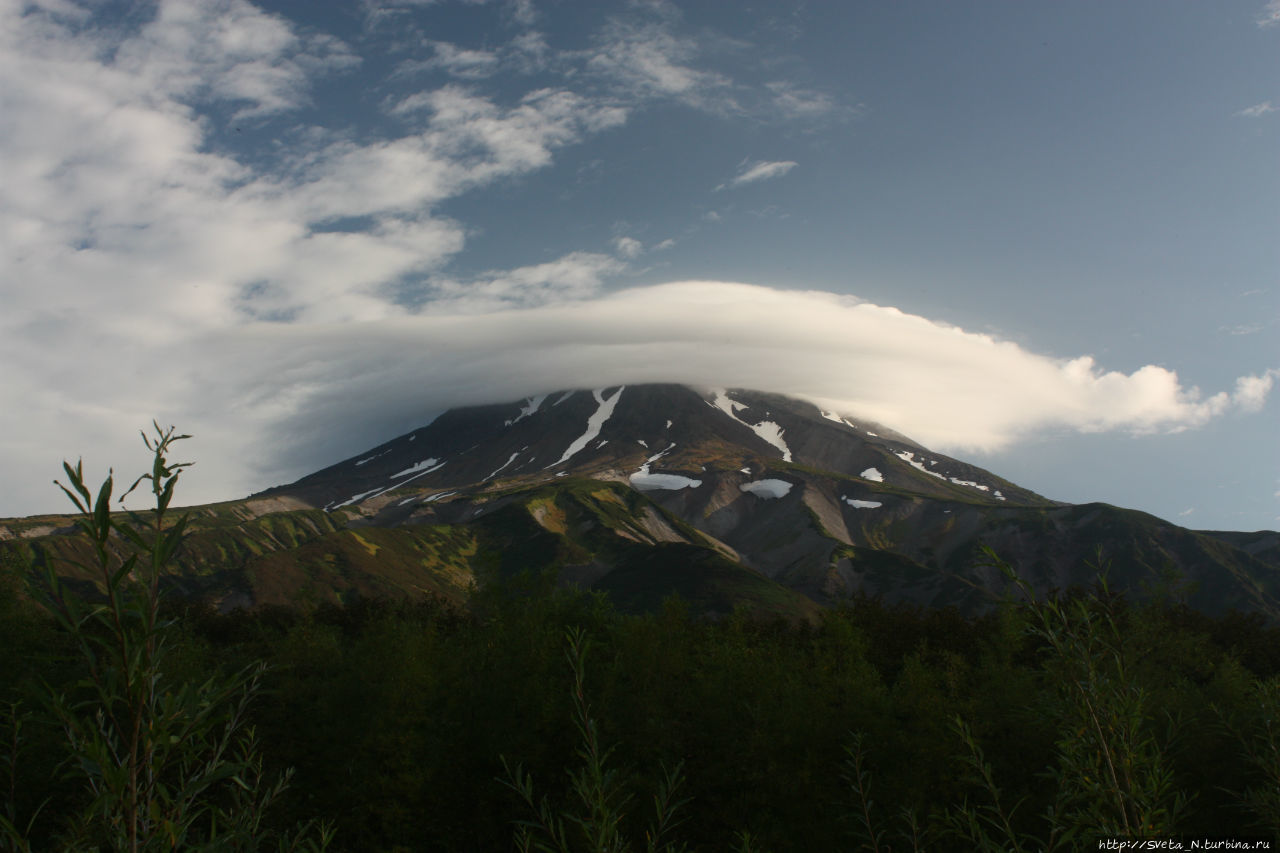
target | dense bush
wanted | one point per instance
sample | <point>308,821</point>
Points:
<point>398,718</point>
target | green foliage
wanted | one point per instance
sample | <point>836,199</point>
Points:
<point>595,821</point>
<point>1113,775</point>
<point>165,763</point>
<point>1259,744</point>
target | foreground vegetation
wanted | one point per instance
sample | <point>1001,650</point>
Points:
<point>539,718</point>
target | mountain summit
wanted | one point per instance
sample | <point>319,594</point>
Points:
<point>655,438</point>
<point>765,487</point>
<point>729,498</point>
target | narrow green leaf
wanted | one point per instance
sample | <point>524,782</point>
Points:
<point>102,510</point>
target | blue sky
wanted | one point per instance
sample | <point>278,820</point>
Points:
<point>1039,236</point>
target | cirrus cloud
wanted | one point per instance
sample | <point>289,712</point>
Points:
<point>761,170</point>
<point>1257,110</point>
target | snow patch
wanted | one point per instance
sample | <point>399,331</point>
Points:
<point>873,475</point>
<point>772,433</point>
<point>374,456</point>
<point>565,396</point>
<point>767,430</point>
<point>358,497</point>
<point>745,470</point>
<point>668,424</point>
<point>857,504</point>
<point>642,443</point>
<point>534,404</point>
<point>645,481</point>
<point>439,496</point>
<point>425,463</point>
<point>594,423</point>
<point>767,489</point>
<point>869,432</point>
<point>910,458</point>
<point>375,492</point>
<point>655,457</point>
<point>832,416</point>
<point>504,465</point>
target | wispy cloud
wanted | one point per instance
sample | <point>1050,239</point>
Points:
<point>458,62</point>
<point>229,51</point>
<point>523,12</point>
<point>575,276</point>
<point>761,170</point>
<point>628,247</point>
<point>648,59</point>
<point>1270,14</point>
<point>1257,110</point>
<point>794,102</point>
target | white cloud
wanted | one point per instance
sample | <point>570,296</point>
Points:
<point>311,394</point>
<point>523,12</point>
<point>228,50</point>
<point>146,271</point>
<point>648,60</point>
<point>1251,391</point>
<point>461,62</point>
<point>110,177</point>
<point>272,401</point>
<point>1270,14</point>
<point>628,247</point>
<point>1257,110</point>
<point>794,102</point>
<point>761,170</point>
<point>526,53</point>
<point>125,226</point>
<point>577,275</point>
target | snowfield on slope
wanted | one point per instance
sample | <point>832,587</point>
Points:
<point>594,423</point>
<point>644,481</point>
<point>767,489</point>
<point>533,405</point>
<point>909,458</point>
<point>767,430</point>
<point>424,464</point>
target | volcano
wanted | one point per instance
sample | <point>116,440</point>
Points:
<point>727,497</point>
<point>817,503</point>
